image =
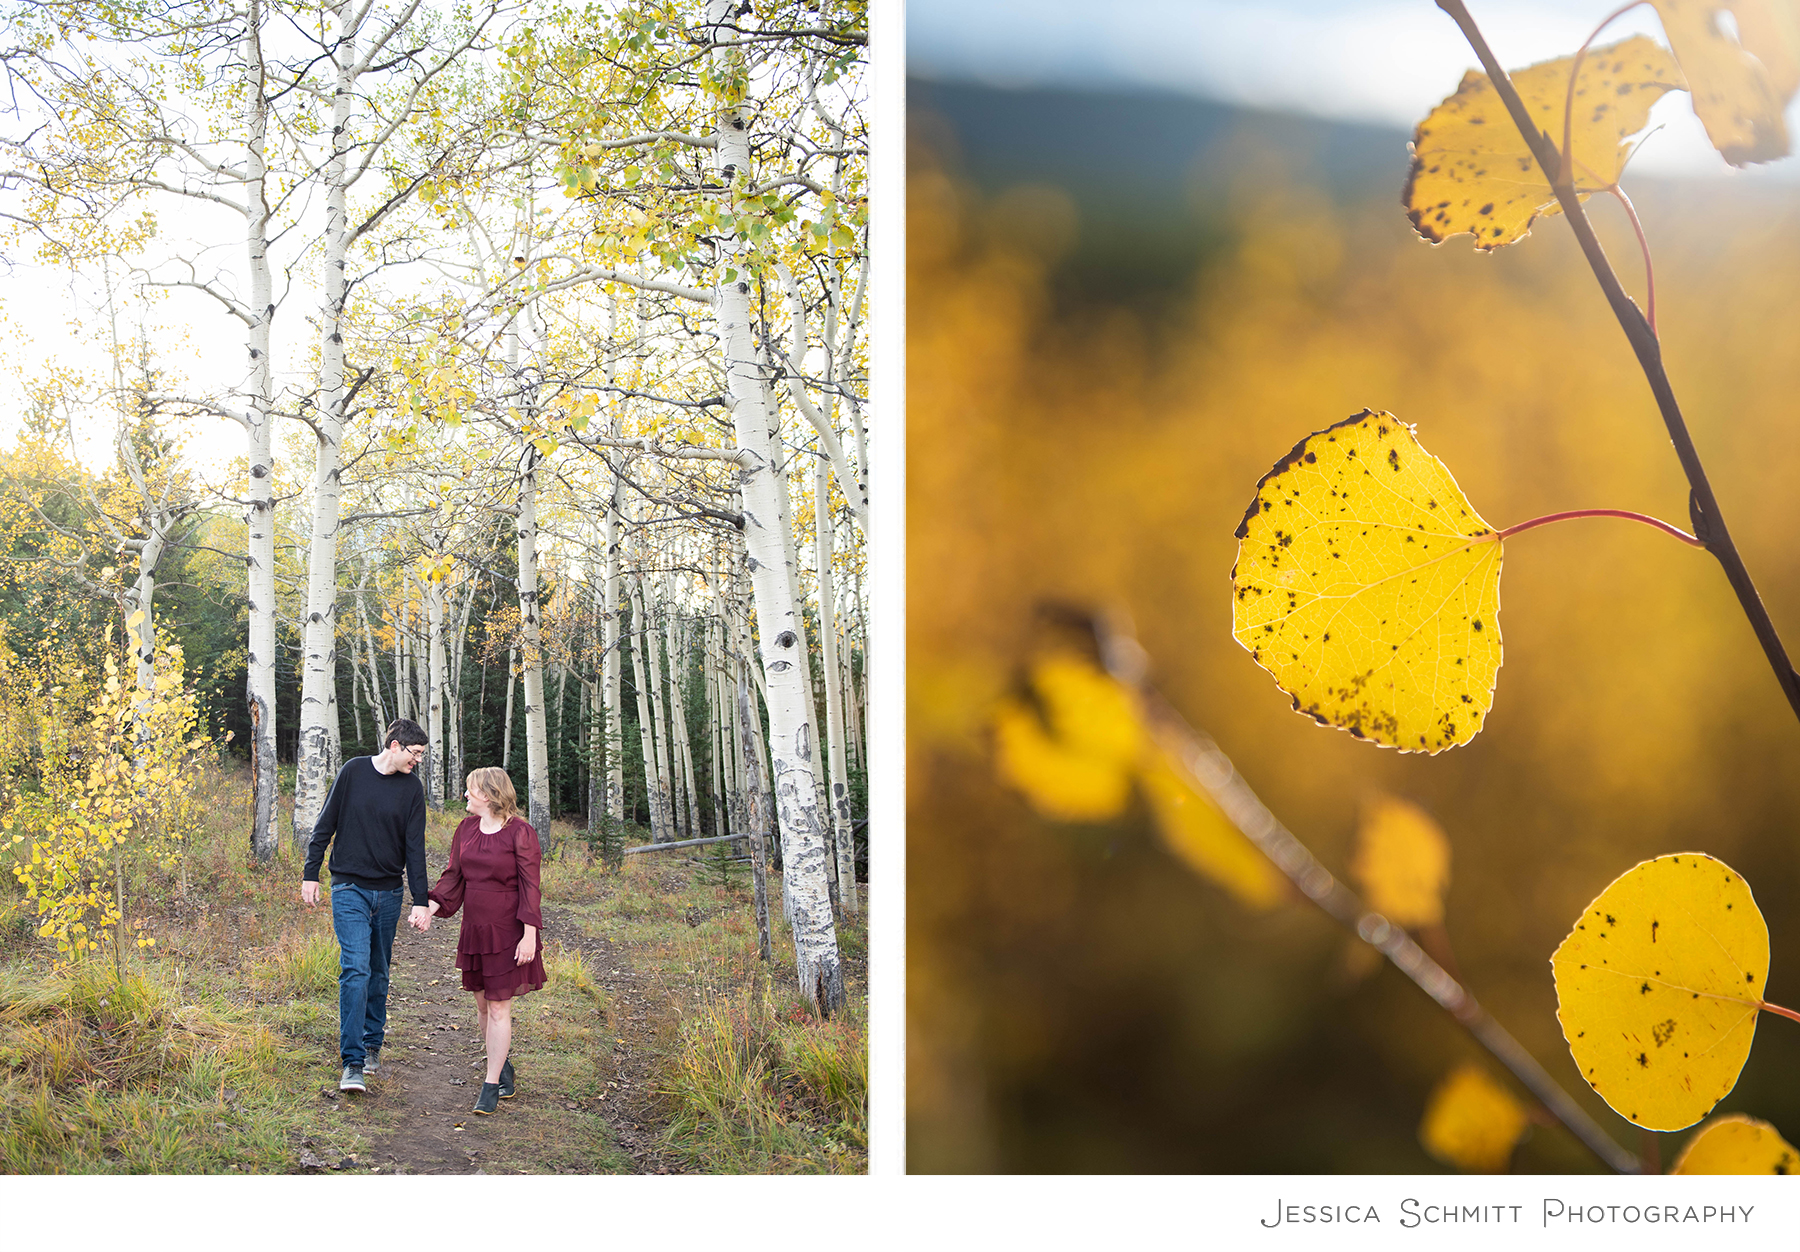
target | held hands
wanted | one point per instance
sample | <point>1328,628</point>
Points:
<point>527,947</point>
<point>420,918</point>
<point>309,893</point>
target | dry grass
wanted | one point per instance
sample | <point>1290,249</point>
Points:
<point>755,1094</point>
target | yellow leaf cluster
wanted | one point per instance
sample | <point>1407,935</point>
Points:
<point>116,791</point>
<point>1076,754</point>
<point>1658,988</point>
<point>1402,861</point>
<point>1736,1144</point>
<point>1369,587</point>
<point>1472,1122</point>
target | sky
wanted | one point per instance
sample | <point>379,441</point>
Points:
<point>1354,60</point>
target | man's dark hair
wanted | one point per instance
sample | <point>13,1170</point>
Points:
<point>407,732</point>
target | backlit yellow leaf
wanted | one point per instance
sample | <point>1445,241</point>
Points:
<point>1369,587</point>
<point>1736,1144</point>
<point>1195,830</point>
<point>1472,1122</point>
<point>1741,85</point>
<point>1472,172</point>
<point>1075,763</point>
<point>1657,988</point>
<point>1402,860</point>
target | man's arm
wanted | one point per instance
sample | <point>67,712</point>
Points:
<point>415,862</point>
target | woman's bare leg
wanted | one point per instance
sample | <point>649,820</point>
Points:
<point>481,1015</point>
<point>499,1036</point>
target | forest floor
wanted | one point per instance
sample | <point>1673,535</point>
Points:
<point>661,1044</point>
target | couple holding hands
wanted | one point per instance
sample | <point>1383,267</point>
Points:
<point>376,815</point>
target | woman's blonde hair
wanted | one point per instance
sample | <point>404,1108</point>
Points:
<point>497,789</point>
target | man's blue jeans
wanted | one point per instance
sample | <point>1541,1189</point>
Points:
<point>365,921</point>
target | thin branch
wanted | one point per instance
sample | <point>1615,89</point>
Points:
<point>1213,771</point>
<point>1703,506</point>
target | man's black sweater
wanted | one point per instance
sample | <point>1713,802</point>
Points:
<point>379,821</point>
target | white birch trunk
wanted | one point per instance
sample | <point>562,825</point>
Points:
<point>265,836</point>
<point>754,825</point>
<point>140,601</point>
<point>684,743</point>
<point>843,834</point>
<point>318,688</point>
<point>665,791</point>
<point>611,678</point>
<point>453,702</point>
<point>715,732</point>
<point>402,668</point>
<point>433,780</point>
<point>377,706</point>
<point>609,622</point>
<point>537,755</point>
<point>512,665</point>
<point>646,721</point>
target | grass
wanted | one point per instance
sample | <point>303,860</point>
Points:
<point>208,1054</point>
<point>750,1079</point>
<point>753,1093</point>
<point>131,1075</point>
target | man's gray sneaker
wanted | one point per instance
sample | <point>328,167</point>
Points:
<point>352,1079</point>
<point>372,1062</point>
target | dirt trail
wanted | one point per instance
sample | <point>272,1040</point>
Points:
<point>419,1106</point>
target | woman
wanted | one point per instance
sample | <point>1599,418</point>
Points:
<point>494,860</point>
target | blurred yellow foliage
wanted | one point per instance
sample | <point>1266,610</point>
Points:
<point>1078,762</point>
<point>1657,988</point>
<point>1062,783</point>
<point>1736,1144</point>
<point>1636,704</point>
<point>1075,764</point>
<point>1472,1122</point>
<point>1402,860</point>
<point>1194,830</point>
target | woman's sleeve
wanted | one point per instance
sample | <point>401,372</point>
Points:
<point>531,857</point>
<point>449,890</point>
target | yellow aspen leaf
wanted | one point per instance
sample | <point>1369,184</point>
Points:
<point>132,622</point>
<point>1472,1122</point>
<point>1075,763</point>
<point>1736,1144</point>
<point>1741,85</point>
<point>1472,172</point>
<point>1193,828</point>
<point>1369,587</point>
<point>1402,861</point>
<point>1658,987</point>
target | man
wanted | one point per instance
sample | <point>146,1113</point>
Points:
<point>376,810</point>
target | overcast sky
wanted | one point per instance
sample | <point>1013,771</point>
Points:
<point>1360,60</point>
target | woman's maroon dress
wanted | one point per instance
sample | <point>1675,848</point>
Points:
<point>496,877</point>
